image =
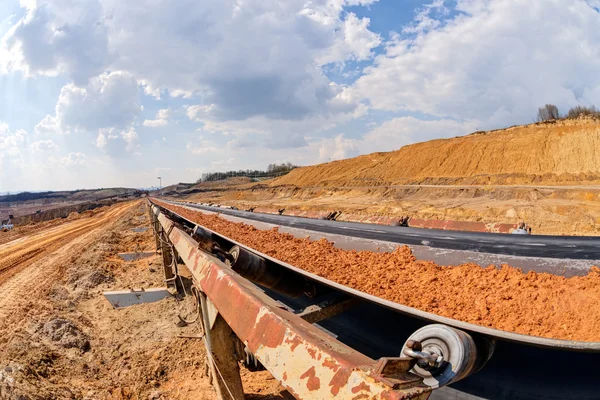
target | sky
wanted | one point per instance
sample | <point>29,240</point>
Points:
<point>103,93</point>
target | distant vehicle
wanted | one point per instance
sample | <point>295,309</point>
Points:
<point>522,229</point>
<point>6,226</point>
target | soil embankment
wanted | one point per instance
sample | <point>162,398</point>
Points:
<point>547,174</point>
<point>562,152</point>
<point>504,298</point>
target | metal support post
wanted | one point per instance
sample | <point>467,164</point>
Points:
<point>168,259</point>
<point>220,351</point>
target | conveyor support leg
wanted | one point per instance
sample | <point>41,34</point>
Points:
<point>220,350</point>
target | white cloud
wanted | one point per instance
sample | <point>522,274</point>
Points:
<point>495,61</point>
<point>48,126</point>
<point>162,117</point>
<point>110,100</point>
<point>248,59</point>
<point>43,146</point>
<point>398,132</point>
<point>353,40</point>
<point>73,159</point>
<point>12,146</point>
<point>390,135</point>
<point>117,143</point>
<point>107,107</point>
<point>203,148</point>
<point>155,123</point>
<point>337,148</point>
<point>199,112</point>
<point>62,36</point>
<point>164,113</point>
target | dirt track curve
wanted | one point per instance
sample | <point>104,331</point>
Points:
<point>45,249</point>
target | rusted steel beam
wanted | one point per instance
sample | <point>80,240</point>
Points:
<point>309,363</point>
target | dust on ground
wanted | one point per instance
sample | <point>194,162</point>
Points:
<point>60,338</point>
<point>505,298</point>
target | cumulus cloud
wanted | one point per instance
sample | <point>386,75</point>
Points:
<point>107,106</point>
<point>494,61</point>
<point>12,145</point>
<point>337,148</point>
<point>162,117</point>
<point>353,40</point>
<point>73,159</point>
<point>241,61</point>
<point>43,146</point>
<point>398,132</point>
<point>61,36</point>
<point>203,148</point>
<point>110,100</point>
<point>48,126</point>
<point>164,113</point>
<point>256,58</point>
<point>155,123</point>
<point>116,142</point>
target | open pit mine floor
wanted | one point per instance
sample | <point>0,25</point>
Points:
<point>505,298</point>
<point>61,339</point>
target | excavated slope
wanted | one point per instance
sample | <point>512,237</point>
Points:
<point>558,152</point>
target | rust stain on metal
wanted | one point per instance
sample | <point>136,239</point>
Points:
<point>285,376</point>
<point>258,325</point>
<point>331,364</point>
<point>360,396</point>
<point>312,353</point>
<point>339,380</point>
<point>295,342</point>
<point>313,382</point>
<point>362,387</point>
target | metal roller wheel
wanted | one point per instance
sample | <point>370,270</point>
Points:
<point>444,354</point>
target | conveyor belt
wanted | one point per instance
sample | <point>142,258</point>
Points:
<point>567,247</point>
<point>522,367</point>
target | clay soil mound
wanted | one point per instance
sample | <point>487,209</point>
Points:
<point>504,298</point>
<point>559,152</point>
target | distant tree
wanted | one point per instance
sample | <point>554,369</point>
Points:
<point>548,113</point>
<point>272,170</point>
<point>578,111</point>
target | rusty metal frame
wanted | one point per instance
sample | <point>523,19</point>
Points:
<point>308,362</point>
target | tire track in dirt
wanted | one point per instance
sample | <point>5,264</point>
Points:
<point>34,262</point>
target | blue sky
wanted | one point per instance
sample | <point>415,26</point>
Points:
<point>98,93</point>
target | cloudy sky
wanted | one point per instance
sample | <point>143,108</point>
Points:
<point>98,93</point>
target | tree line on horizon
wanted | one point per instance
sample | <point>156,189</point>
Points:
<point>272,170</point>
<point>550,112</point>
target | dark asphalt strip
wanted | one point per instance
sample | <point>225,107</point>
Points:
<point>563,247</point>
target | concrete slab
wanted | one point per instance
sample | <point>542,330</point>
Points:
<point>136,256</point>
<point>126,298</point>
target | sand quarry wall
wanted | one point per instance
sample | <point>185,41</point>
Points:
<point>558,152</point>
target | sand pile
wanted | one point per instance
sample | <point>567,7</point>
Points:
<point>502,298</point>
<point>560,152</point>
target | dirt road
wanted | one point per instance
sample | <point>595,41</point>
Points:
<point>61,339</point>
<point>18,254</point>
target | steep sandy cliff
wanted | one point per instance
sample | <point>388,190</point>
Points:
<point>564,152</point>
